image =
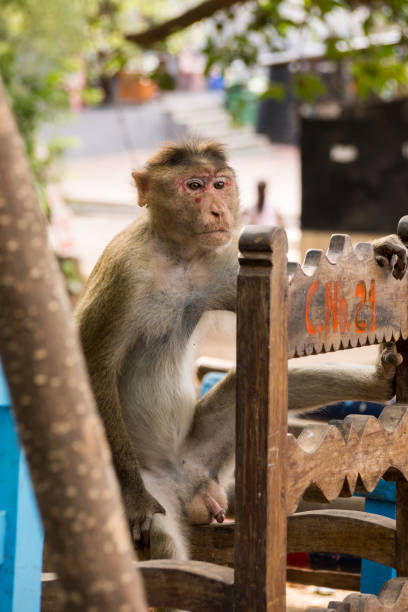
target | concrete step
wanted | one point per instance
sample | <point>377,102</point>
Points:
<point>203,114</point>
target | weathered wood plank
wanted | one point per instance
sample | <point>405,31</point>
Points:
<point>402,487</point>
<point>393,597</point>
<point>343,299</point>
<point>347,532</point>
<point>362,449</point>
<point>324,578</point>
<point>401,564</point>
<point>367,535</point>
<point>183,584</point>
<point>188,585</point>
<point>213,543</point>
<point>260,556</point>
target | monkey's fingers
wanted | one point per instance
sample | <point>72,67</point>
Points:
<point>136,533</point>
<point>398,263</point>
<point>145,529</point>
<point>391,252</point>
<point>141,523</point>
<point>382,261</point>
<point>390,359</point>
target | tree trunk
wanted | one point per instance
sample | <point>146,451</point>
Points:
<point>57,420</point>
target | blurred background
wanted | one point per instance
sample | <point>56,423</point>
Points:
<point>309,97</point>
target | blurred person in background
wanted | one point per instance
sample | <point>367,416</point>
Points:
<point>264,212</point>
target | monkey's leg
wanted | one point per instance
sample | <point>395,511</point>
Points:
<point>167,537</point>
<point>211,440</point>
<point>166,534</point>
<point>311,386</point>
<point>139,504</point>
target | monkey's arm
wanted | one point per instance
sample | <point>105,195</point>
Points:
<point>103,322</point>
<point>211,439</point>
<point>311,386</point>
<point>140,505</point>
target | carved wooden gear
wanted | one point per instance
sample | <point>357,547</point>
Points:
<point>361,447</point>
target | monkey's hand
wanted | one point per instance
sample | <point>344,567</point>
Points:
<point>390,251</point>
<point>140,507</point>
<point>389,360</point>
<point>209,502</point>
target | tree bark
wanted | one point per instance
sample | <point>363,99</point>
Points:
<point>56,414</point>
<point>160,32</point>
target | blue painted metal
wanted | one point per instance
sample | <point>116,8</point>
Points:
<point>209,380</point>
<point>380,501</point>
<point>3,525</point>
<point>20,572</point>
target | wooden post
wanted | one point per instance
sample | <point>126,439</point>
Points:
<point>56,415</point>
<point>402,397</point>
<point>262,349</point>
<point>402,485</point>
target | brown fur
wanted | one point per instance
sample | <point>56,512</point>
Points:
<point>141,305</point>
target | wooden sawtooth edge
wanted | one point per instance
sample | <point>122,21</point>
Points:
<point>317,262</point>
<point>393,597</point>
<point>363,448</point>
<point>315,259</point>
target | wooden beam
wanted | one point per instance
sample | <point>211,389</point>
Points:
<point>261,413</point>
<point>190,585</point>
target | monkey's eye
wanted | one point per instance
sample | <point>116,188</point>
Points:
<point>195,184</point>
<point>220,184</point>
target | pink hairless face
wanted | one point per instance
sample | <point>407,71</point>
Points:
<point>205,179</point>
<point>205,205</point>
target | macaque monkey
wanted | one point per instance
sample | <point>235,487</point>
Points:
<point>174,455</point>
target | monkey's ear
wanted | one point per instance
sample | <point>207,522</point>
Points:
<point>142,183</point>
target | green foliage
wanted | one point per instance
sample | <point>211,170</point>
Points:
<point>39,44</point>
<point>380,73</point>
<point>348,28</point>
<point>308,87</point>
<point>274,90</point>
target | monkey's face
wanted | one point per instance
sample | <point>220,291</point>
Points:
<point>206,199</point>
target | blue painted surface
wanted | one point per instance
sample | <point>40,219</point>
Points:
<point>384,491</point>
<point>380,501</point>
<point>3,525</point>
<point>29,546</point>
<point>4,394</point>
<point>209,380</point>
<point>20,572</point>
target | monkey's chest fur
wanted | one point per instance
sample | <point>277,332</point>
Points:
<point>156,380</point>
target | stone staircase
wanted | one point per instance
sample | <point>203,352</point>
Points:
<point>203,114</point>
